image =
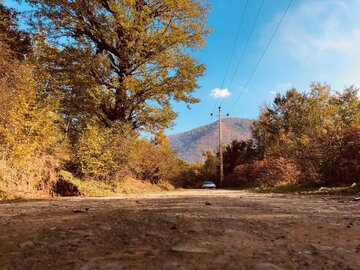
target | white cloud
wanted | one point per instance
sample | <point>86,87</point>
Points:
<point>314,29</point>
<point>318,40</point>
<point>273,93</point>
<point>220,93</point>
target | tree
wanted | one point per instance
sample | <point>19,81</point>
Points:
<point>343,164</point>
<point>239,152</point>
<point>32,128</point>
<point>295,118</point>
<point>14,45</point>
<point>29,122</point>
<point>308,128</point>
<point>10,71</point>
<point>134,53</point>
<point>210,168</point>
<point>348,103</point>
<point>16,40</point>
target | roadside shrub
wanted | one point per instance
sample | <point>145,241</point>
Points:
<point>101,152</point>
<point>191,175</point>
<point>267,172</point>
<point>112,153</point>
<point>28,176</point>
<point>270,172</point>
<point>69,185</point>
<point>342,166</point>
<point>31,140</point>
<point>154,162</point>
<point>243,175</point>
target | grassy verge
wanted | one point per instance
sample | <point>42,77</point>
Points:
<point>128,185</point>
<point>68,185</point>
<point>309,189</point>
<point>281,188</point>
<point>7,196</point>
<point>3,195</point>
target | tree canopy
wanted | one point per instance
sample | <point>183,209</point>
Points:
<point>17,40</point>
<point>127,59</point>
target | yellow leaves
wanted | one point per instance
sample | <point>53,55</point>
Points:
<point>137,51</point>
<point>107,153</point>
<point>29,127</point>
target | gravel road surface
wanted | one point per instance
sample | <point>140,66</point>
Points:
<point>185,229</point>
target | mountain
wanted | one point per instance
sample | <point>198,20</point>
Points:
<point>191,145</point>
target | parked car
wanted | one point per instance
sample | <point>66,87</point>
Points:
<point>208,184</point>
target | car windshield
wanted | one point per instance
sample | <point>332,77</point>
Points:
<point>208,182</point>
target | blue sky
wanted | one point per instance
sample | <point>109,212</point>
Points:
<point>319,40</point>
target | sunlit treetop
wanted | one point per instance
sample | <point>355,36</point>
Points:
<point>136,52</point>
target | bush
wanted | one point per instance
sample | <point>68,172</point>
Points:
<point>270,172</point>
<point>101,152</point>
<point>342,166</point>
<point>267,172</point>
<point>68,185</point>
<point>243,175</point>
<point>154,162</point>
<point>27,177</point>
<point>112,153</point>
<point>191,175</point>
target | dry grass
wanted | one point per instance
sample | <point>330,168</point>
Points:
<point>128,185</point>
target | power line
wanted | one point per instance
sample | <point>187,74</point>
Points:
<point>263,53</point>
<point>246,44</point>
<point>234,47</point>
<point>232,52</point>
<point>243,51</point>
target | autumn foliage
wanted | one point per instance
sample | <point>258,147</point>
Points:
<point>302,138</point>
<point>85,96</point>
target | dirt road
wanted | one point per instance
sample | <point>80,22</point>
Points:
<point>188,229</point>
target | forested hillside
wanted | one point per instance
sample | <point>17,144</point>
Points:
<point>192,145</point>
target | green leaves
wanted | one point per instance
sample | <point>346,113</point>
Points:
<point>135,52</point>
<point>297,117</point>
<point>311,129</point>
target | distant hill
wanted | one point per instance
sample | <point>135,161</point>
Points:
<point>191,145</point>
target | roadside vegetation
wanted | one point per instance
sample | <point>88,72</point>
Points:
<point>85,97</point>
<point>85,94</point>
<point>301,142</point>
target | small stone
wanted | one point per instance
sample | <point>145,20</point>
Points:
<point>78,211</point>
<point>27,244</point>
<point>189,249</point>
<point>321,248</point>
<point>207,203</point>
<point>266,266</point>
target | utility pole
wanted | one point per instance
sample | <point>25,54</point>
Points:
<point>221,161</point>
<point>221,149</point>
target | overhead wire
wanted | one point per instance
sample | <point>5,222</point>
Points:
<point>262,55</point>
<point>232,52</point>
<point>235,43</point>
<point>246,44</point>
